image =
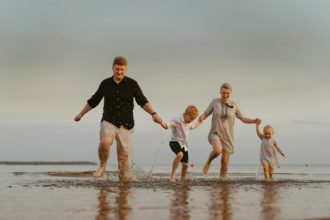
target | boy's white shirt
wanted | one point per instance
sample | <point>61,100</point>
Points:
<point>180,131</point>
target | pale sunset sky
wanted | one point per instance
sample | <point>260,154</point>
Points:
<point>54,54</point>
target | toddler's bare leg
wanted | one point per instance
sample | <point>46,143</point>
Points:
<point>271,170</point>
<point>266,170</point>
<point>175,165</point>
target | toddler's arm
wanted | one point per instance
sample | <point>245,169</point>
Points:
<point>258,130</point>
<point>279,149</point>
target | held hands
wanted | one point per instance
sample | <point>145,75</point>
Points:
<point>157,119</point>
<point>258,121</point>
<point>201,118</point>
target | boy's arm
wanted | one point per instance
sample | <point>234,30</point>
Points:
<point>258,130</point>
<point>196,125</point>
<point>279,149</point>
<point>202,117</point>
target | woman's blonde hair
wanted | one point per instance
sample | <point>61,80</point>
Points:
<point>226,86</point>
<point>191,111</point>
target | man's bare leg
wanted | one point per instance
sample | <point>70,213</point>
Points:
<point>224,165</point>
<point>217,149</point>
<point>104,151</point>
<point>123,167</point>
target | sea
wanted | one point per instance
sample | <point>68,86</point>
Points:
<point>70,192</point>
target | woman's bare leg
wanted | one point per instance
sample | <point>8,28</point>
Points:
<point>224,165</point>
<point>217,149</point>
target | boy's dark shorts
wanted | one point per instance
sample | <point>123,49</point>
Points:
<point>176,148</point>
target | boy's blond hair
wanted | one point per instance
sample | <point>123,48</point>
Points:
<point>270,128</point>
<point>191,111</point>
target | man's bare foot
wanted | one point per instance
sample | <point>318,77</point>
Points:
<point>223,178</point>
<point>126,179</point>
<point>172,179</point>
<point>99,172</point>
<point>206,168</point>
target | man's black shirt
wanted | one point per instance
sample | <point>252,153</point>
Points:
<point>118,101</point>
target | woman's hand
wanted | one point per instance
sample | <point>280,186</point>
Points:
<point>201,118</point>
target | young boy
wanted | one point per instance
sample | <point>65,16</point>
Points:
<point>181,127</point>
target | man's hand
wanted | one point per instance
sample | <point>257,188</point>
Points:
<point>258,121</point>
<point>164,125</point>
<point>157,119</point>
<point>78,117</point>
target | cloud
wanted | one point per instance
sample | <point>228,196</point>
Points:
<point>310,122</point>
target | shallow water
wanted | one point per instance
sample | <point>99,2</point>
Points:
<point>29,192</point>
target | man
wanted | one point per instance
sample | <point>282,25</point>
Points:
<point>117,122</point>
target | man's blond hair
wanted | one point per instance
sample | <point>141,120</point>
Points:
<point>121,61</point>
<point>191,111</point>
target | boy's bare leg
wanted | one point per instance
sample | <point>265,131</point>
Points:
<point>266,170</point>
<point>224,165</point>
<point>184,170</point>
<point>104,150</point>
<point>217,148</point>
<point>175,165</point>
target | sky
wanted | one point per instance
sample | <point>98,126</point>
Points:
<point>54,54</point>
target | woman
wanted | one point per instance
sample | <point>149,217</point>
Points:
<point>221,135</point>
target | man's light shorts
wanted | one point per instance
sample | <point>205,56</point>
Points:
<point>124,137</point>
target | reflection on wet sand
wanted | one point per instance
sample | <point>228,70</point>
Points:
<point>179,207</point>
<point>113,203</point>
<point>269,203</point>
<point>221,202</point>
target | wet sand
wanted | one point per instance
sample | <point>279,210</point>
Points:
<point>77,195</point>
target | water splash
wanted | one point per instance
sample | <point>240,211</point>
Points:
<point>139,173</point>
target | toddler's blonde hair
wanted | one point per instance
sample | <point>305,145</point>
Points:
<point>270,128</point>
<point>191,111</point>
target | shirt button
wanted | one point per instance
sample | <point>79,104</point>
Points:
<point>117,90</point>
<point>117,99</point>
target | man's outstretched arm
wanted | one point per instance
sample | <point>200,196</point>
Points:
<point>155,117</point>
<point>86,109</point>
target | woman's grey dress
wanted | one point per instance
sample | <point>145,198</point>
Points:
<point>223,120</point>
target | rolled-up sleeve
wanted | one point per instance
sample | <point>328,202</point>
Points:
<point>209,109</point>
<point>140,99</point>
<point>97,97</point>
<point>238,111</point>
